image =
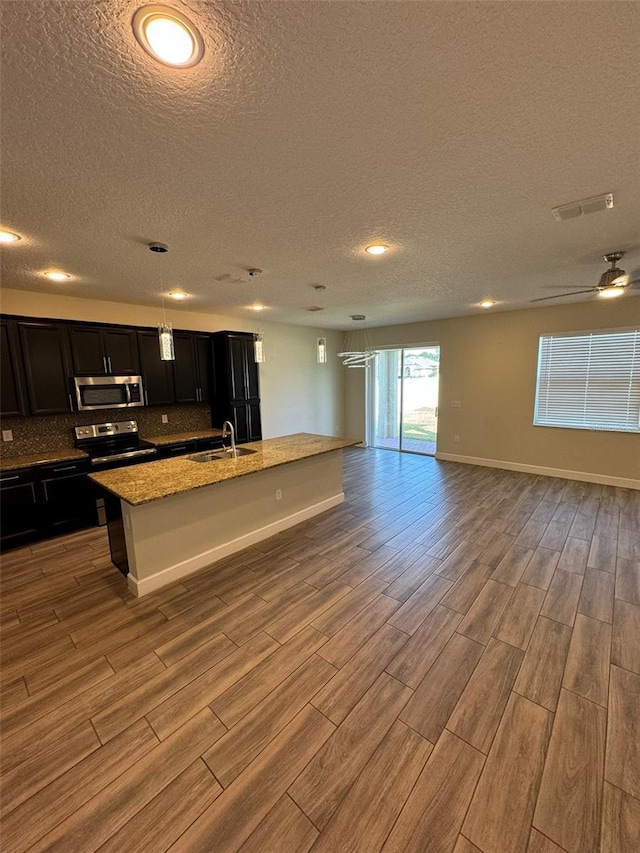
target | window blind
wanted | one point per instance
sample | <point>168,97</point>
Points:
<point>589,381</point>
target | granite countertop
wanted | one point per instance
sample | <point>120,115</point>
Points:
<point>177,437</point>
<point>11,463</point>
<point>151,481</point>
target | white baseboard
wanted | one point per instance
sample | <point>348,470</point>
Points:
<point>219,552</point>
<point>582,476</point>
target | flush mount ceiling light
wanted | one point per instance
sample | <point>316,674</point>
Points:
<point>9,237</point>
<point>168,36</point>
<point>57,276</point>
<point>611,292</point>
<point>257,307</point>
<point>487,303</point>
<point>377,249</point>
<point>178,295</point>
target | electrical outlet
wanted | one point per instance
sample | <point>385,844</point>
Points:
<point>7,435</point>
<point>278,494</point>
<point>455,404</point>
<point>456,438</point>
<point>165,419</point>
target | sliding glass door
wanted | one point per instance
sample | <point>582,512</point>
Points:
<point>404,399</point>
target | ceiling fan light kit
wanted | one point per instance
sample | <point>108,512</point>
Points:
<point>613,282</point>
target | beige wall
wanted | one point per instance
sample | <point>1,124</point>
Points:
<point>298,394</point>
<point>488,363</point>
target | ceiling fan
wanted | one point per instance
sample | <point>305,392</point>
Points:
<point>612,283</point>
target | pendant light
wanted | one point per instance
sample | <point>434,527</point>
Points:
<point>165,332</point>
<point>258,348</point>
<point>357,350</point>
<point>321,342</point>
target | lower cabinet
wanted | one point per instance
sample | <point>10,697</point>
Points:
<point>19,509</point>
<point>44,501</point>
<point>67,497</point>
<point>166,451</point>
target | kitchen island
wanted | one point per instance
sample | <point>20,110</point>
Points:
<point>170,518</point>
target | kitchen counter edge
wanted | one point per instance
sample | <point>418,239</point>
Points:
<point>152,481</point>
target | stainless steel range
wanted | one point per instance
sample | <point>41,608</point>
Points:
<point>112,445</point>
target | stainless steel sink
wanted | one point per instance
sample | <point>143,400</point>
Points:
<point>214,455</point>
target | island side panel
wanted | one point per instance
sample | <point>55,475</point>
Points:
<point>173,537</point>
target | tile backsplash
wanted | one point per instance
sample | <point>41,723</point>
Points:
<point>53,432</point>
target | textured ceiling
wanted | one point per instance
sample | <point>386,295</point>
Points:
<point>447,130</point>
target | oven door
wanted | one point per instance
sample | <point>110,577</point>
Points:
<point>108,392</point>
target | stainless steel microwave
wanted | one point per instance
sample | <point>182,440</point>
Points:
<point>108,392</point>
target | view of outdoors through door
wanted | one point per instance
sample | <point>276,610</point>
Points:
<point>404,402</point>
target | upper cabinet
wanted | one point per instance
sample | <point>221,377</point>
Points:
<point>192,367</point>
<point>98,350</point>
<point>236,396</point>
<point>157,375</point>
<point>47,366</point>
<point>12,400</point>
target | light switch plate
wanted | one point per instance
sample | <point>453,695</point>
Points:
<point>165,419</point>
<point>455,404</point>
<point>7,435</point>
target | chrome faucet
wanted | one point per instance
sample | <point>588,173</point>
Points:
<point>228,430</point>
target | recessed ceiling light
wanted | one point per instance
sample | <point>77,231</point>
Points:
<point>611,292</point>
<point>178,295</point>
<point>168,36</point>
<point>377,249</point>
<point>57,276</point>
<point>9,237</point>
<point>257,307</point>
<point>487,303</point>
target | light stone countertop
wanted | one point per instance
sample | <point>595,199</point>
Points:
<point>177,437</point>
<point>152,481</point>
<point>11,463</point>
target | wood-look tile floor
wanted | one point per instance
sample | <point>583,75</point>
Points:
<point>449,661</point>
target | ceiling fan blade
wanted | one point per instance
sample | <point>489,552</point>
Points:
<point>560,295</point>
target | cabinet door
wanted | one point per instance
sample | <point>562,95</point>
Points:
<point>46,363</point>
<point>239,419</point>
<point>11,396</point>
<point>204,352</point>
<point>237,367</point>
<point>254,423</point>
<point>121,350</point>
<point>69,502</point>
<point>18,508</point>
<point>157,375</point>
<point>185,368</point>
<point>251,371</point>
<point>87,351</point>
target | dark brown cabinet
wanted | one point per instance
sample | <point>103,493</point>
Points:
<point>12,400</point>
<point>47,366</point>
<point>66,495</point>
<point>192,367</point>
<point>19,512</point>
<point>98,350</point>
<point>157,375</point>
<point>236,396</point>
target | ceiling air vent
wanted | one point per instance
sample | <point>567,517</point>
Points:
<point>315,308</point>
<point>582,207</point>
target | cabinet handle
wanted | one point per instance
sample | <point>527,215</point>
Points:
<point>66,468</point>
<point>70,402</point>
<point>199,394</point>
<point>109,360</point>
<point>8,479</point>
<point>104,364</point>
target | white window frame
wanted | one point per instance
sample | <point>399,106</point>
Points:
<point>541,392</point>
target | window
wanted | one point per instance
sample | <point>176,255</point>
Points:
<point>589,381</point>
